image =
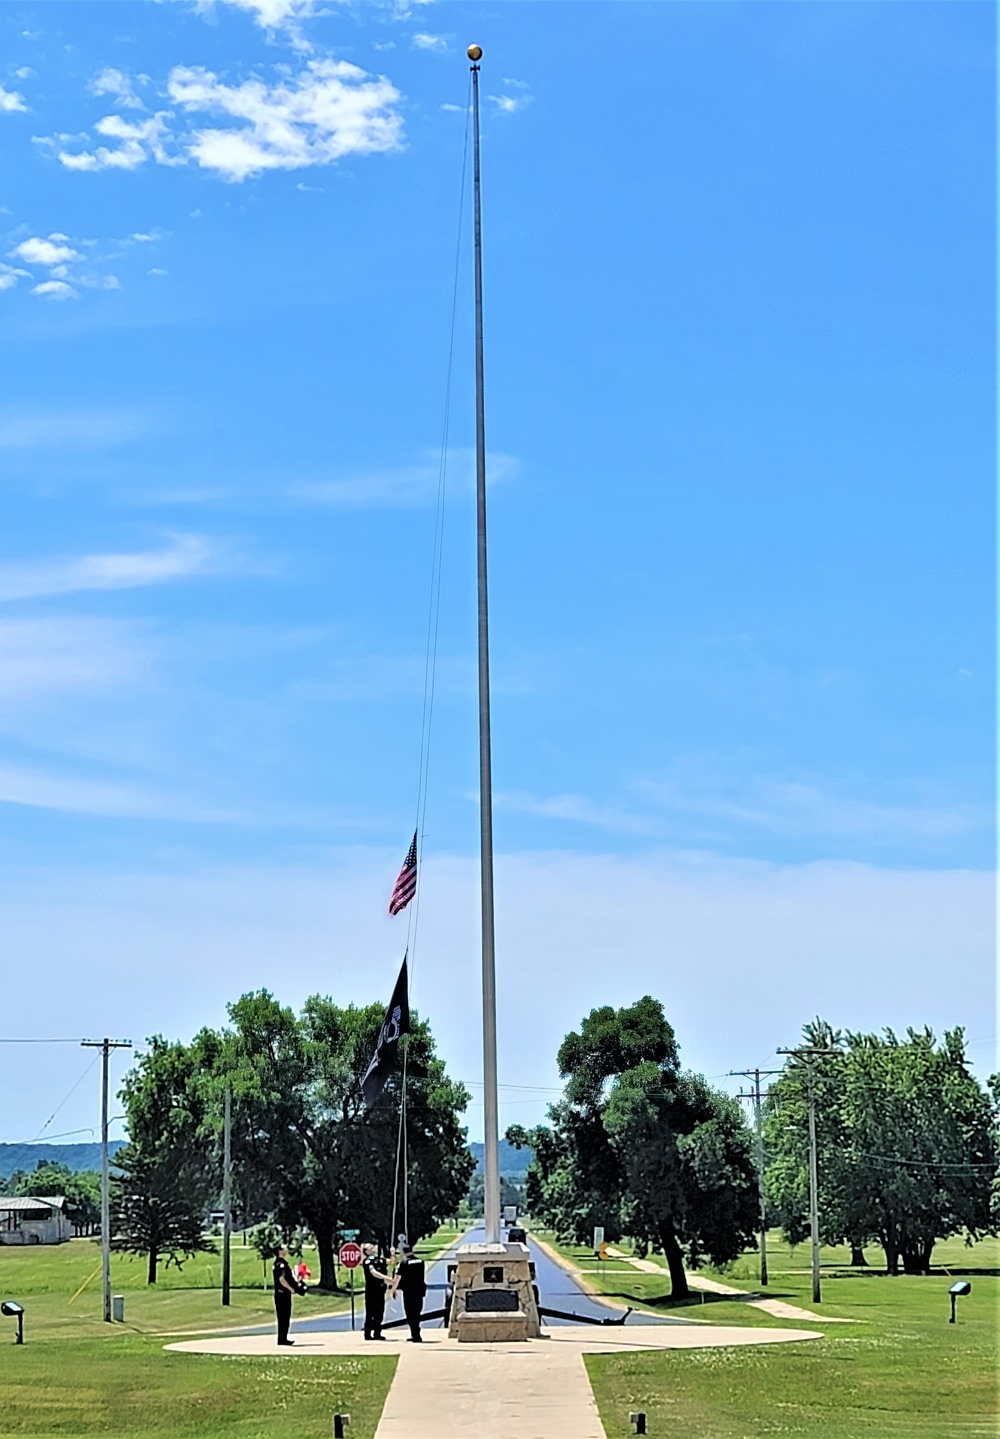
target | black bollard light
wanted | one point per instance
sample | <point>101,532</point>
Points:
<point>340,1423</point>
<point>961,1286</point>
<point>638,1421</point>
<point>13,1310</point>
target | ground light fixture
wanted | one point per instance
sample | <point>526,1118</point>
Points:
<point>638,1422</point>
<point>12,1310</point>
<point>961,1286</point>
<point>340,1423</point>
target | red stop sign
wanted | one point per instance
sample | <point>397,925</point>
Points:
<point>350,1254</point>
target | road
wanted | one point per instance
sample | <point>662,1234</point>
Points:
<point>557,1289</point>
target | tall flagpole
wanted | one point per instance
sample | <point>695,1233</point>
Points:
<point>491,1163</point>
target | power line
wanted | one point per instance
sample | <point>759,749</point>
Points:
<point>75,1040</point>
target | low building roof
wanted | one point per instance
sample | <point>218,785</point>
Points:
<point>19,1202</point>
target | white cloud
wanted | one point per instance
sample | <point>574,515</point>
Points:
<point>55,290</point>
<point>119,85</point>
<point>52,251</point>
<point>9,276</point>
<point>328,110</point>
<point>187,555</point>
<point>25,73</point>
<point>139,140</point>
<point>11,101</point>
<point>509,104</point>
<point>436,43</point>
<point>269,14</point>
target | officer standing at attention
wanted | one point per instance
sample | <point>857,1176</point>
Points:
<point>376,1282</point>
<point>285,1285</point>
<point>412,1284</point>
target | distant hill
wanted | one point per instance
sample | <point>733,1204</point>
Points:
<point>74,1156</point>
<point>512,1161</point>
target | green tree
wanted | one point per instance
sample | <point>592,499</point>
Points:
<point>907,1142</point>
<point>304,1147</point>
<point>641,1147</point>
<point>166,1177</point>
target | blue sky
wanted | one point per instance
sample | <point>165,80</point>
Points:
<point>740,315</point>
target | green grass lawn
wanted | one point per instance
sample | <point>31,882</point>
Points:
<point>76,1375</point>
<point>899,1370</point>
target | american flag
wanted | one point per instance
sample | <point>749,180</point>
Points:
<point>406,881</point>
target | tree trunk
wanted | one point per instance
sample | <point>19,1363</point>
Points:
<point>327,1259</point>
<point>858,1260</point>
<point>675,1263</point>
<point>891,1249</point>
<point>151,1275</point>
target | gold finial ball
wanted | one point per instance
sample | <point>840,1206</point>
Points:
<point>475,53</point>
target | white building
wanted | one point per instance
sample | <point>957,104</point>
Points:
<point>34,1220</point>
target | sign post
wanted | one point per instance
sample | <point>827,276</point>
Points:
<point>350,1258</point>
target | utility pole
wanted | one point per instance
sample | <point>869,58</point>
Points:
<point>105,1046</point>
<point>491,1118</point>
<point>755,1095</point>
<point>227,1191</point>
<point>807,1055</point>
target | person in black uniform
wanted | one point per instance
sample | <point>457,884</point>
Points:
<point>376,1282</point>
<point>285,1285</point>
<point>411,1282</point>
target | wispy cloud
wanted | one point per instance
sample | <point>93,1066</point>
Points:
<point>58,429</point>
<point>114,800</point>
<point>55,290</point>
<point>188,555</point>
<point>403,486</point>
<point>435,43</point>
<point>700,805</point>
<point>51,654</point>
<point>328,110</point>
<point>119,85</point>
<point>578,810</point>
<point>517,96</point>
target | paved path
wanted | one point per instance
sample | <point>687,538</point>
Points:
<point>777,1307</point>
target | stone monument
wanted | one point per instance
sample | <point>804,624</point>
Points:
<point>493,1296</point>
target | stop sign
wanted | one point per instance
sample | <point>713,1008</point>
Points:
<point>350,1254</point>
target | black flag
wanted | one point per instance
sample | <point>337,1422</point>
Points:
<point>394,1026</point>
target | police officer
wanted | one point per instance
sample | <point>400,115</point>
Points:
<point>412,1284</point>
<point>376,1282</point>
<point>285,1285</point>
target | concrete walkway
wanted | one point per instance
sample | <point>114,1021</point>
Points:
<point>538,1390</point>
<point>776,1307</point>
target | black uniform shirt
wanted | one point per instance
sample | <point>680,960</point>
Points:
<point>375,1275</point>
<point>411,1277</point>
<point>283,1270</point>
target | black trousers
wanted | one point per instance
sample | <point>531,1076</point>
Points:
<point>412,1307</point>
<point>283,1310</point>
<point>374,1312</point>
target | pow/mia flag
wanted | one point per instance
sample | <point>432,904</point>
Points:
<point>394,1026</point>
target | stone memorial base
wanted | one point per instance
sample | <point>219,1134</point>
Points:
<point>493,1296</point>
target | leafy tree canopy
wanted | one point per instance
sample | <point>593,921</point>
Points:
<point>907,1140</point>
<point>641,1147</point>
